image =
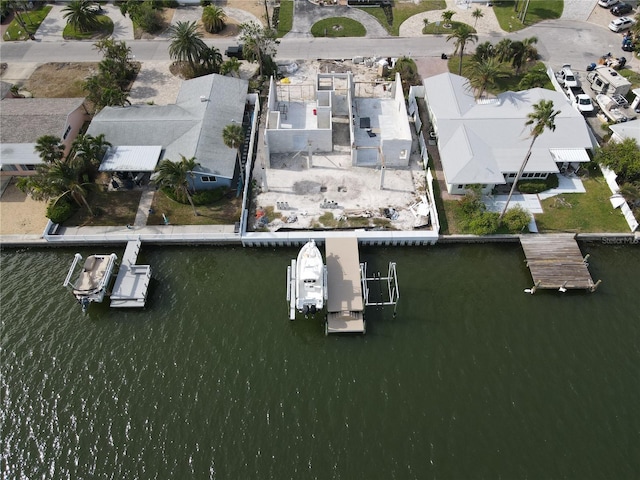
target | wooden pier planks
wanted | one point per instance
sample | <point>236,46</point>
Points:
<point>555,262</point>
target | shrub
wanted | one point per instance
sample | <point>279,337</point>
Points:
<point>537,186</point>
<point>483,223</point>
<point>516,218</point>
<point>205,197</point>
<point>61,210</point>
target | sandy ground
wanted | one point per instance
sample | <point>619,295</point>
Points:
<point>300,195</point>
<point>20,214</point>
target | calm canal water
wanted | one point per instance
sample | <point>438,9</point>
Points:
<point>474,379</point>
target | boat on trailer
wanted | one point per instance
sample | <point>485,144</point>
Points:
<point>308,279</point>
<point>92,282</point>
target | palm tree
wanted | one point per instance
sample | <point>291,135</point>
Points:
<point>175,176</point>
<point>485,73</point>
<point>518,55</point>
<point>233,137</point>
<point>503,49</point>
<point>186,43</point>
<point>211,60</point>
<point>67,178</point>
<point>541,118</point>
<point>463,34</point>
<point>483,51</point>
<point>56,180</point>
<point>447,15</point>
<point>50,148</point>
<point>88,151</point>
<point>476,14</point>
<point>531,52</point>
<point>82,15</point>
<point>230,67</point>
<point>213,18</point>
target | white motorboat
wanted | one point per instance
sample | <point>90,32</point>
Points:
<point>93,280</point>
<point>611,108</point>
<point>310,283</point>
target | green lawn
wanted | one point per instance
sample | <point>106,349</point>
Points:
<point>110,209</point>
<point>285,17</point>
<point>582,212</point>
<point>338,27</point>
<point>224,212</point>
<point>32,19</point>
<point>538,11</point>
<point>433,29</point>
<point>401,11</point>
<point>106,29</point>
<point>509,83</point>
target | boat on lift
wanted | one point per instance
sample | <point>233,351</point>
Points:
<point>93,280</point>
<point>310,279</point>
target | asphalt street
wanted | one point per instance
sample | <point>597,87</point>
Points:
<point>560,41</point>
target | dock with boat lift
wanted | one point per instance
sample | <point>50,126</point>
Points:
<point>556,263</point>
<point>132,283</point>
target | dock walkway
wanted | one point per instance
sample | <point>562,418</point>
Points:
<point>556,262</point>
<point>345,303</point>
<point>132,283</point>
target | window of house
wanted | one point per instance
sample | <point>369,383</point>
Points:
<point>9,168</point>
<point>208,179</point>
<point>460,187</point>
<point>27,168</point>
<point>66,132</point>
<point>512,175</point>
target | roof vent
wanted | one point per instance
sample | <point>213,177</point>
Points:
<point>203,98</point>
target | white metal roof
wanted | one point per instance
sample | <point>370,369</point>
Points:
<point>18,154</point>
<point>131,159</point>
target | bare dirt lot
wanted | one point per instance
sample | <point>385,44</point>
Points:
<point>20,214</point>
<point>60,80</point>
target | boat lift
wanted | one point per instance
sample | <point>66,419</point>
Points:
<point>387,287</point>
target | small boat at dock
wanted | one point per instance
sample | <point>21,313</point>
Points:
<point>92,281</point>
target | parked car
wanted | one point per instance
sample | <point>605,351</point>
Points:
<point>566,77</point>
<point>234,51</point>
<point>620,9</point>
<point>607,3</point>
<point>620,24</point>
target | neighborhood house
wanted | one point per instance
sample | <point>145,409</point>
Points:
<point>485,141</point>
<point>192,127</point>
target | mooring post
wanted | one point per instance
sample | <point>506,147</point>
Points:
<point>595,287</point>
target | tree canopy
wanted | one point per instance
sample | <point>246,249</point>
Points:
<point>621,157</point>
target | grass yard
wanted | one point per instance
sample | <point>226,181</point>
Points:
<point>538,11</point>
<point>110,208</point>
<point>509,83</point>
<point>224,212</point>
<point>32,20</point>
<point>105,29</point>
<point>401,11</point>
<point>285,17</point>
<point>433,29</point>
<point>338,27</point>
<point>582,212</point>
<point>60,80</point>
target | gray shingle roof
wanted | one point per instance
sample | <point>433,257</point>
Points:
<point>24,120</point>
<point>191,127</point>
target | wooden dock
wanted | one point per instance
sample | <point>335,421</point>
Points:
<point>556,262</point>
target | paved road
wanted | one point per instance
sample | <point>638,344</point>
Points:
<point>561,41</point>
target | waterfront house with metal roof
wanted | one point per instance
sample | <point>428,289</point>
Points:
<point>485,141</point>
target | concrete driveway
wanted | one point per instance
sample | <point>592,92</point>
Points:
<point>306,13</point>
